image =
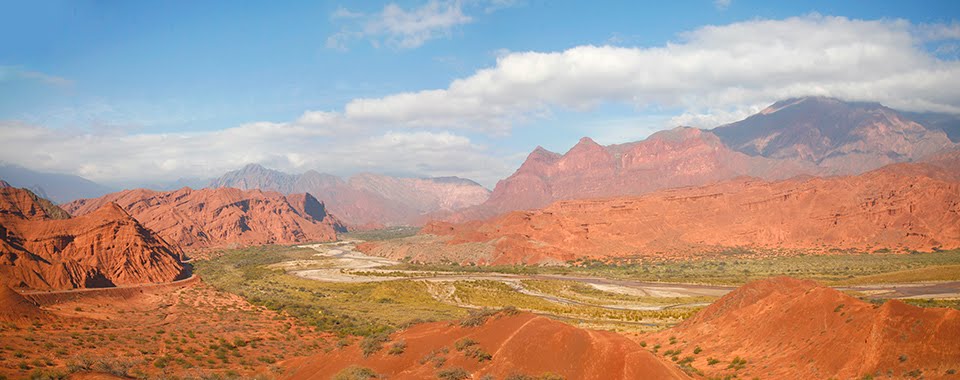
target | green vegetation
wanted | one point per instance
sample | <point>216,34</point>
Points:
<point>345,308</point>
<point>495,294</point>
<point>588,294</point>
<point>398,348</point>
<point>381,234</point>
<point>373,343</point>
<point>471,349</point>
<point>934,273</point>
<point>738,268</point>
<point>453,374</point>
<point>737,363</point>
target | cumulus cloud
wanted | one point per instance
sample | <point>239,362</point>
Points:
<point>401,28</point>
<point>708,76</point>
<point>711,71</point>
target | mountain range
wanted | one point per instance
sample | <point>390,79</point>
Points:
<point>900,207</point>
<point>804,136</point>
<point>365,200</point>
<point>56,187</point>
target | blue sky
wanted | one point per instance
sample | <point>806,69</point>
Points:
<point>139,92</point>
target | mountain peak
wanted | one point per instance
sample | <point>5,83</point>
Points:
<point>253,167</point>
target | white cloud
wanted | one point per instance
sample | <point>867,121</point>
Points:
<point>709,76</point>
<point>401,28</point>
<point>153,158</point>
<point>721,4</point>
<point>714,70</point>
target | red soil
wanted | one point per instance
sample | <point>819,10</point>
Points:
<point>188,330</point>
<point>899,207</point>
<point>104,248</point>
<point>519,344</point>
<point>208,218</point>
<point>789,328</point>
<point>16,308</point>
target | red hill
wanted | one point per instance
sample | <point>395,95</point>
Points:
<point>104,248</point>
<point>519,344</point>
<point>789,328</point>
<point>196,219</point>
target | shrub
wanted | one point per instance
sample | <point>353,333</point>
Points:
<point>453,374</point>
<point>373,343</point>
<point>697,350</point>
<point>267,359</point>
<point>737,363</point>
<point>472,349</point>
<point>477,317</point>
<point>903,358</point>
<point>356,373</point>
<point>161,362</point>
<point>712,361</point>
<point>398,348</point>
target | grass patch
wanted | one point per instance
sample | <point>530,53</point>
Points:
<point>738,267</point>
<point>381,234</point>
<point>345,308</point>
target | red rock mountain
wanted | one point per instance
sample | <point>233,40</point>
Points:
<point>522,344</point>
<point>365,199</point>
<point>913,206</point>
<point>674,158</point>
<point>786,328</point>
<point>104,248</point>
<point>840,137</point>
<point>816,136</point>
<point>207,218</point>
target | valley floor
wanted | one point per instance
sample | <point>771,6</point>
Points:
<point>256,308</point>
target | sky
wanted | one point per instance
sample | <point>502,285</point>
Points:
<point>128,93</point>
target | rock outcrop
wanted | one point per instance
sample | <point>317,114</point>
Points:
<point>210,218</point>
<point>104,248</point>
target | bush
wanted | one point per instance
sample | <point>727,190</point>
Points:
<point>398,348</point>
<point>39,374</point>
<point>373,343</point>
<point>453,374</point>
<point>738,363</point>
<point>356,373</point>
<point>477,317</point>
<point>267,359</point>
<point>472,349</point>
